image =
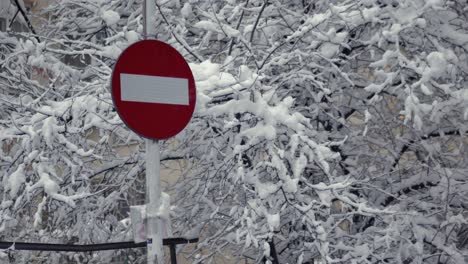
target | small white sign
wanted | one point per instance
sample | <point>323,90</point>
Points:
<point>138,219</point>
<point>137,215</point>
<point>154,89</point>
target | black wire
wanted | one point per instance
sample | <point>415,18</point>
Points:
<point>90,247</point>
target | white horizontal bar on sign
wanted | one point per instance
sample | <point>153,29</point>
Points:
<point>153,89</point>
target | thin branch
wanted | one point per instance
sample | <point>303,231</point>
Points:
<point>176,37</point>
<point>13,19</point>
<point>258,19</point>
<point>237,27</point>
<point>407,146</point>
<point>27,19</point>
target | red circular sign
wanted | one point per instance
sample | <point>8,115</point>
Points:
<point>153,89</point>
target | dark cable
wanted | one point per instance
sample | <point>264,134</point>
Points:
<point>90,247</point>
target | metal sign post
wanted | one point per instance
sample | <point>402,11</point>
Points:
<point>153,182</point>
<point>154,93</point>
<point>153,192</point>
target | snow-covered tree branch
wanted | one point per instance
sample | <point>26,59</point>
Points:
<point>325,131</point>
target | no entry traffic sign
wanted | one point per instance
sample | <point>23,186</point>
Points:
<point>153,89</point>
